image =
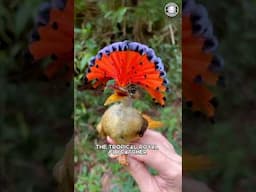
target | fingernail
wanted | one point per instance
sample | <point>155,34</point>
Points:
<point>109,140</point>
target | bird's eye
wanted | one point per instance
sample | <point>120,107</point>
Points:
<point>132,89</point>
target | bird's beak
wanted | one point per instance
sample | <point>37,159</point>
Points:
<point>114,98</point>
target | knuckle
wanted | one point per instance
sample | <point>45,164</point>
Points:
<point>176,173</point>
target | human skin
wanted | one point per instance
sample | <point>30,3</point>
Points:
<point>165,161</point>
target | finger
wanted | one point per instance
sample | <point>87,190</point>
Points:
<point>189,184</point>
<point>154,137</point>
<point>147,141</point>
<point>109,140</point>
<point>151,137</point>
<point>110,154</point>
<point>159,159</point>
<point>164,147</point>
<point>167,166</point>
<point>140,173</point>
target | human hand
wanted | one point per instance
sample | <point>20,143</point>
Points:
<point>165,161</point>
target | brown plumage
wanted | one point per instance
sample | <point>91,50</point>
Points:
<point>122,123</point>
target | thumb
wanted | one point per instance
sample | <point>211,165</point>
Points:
<point>140,173</point>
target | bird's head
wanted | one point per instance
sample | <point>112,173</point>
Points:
<point>130,91</point>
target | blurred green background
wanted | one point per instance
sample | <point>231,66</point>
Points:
<point>35,115</point>
<point>231,141</point>
<point>100,23</point>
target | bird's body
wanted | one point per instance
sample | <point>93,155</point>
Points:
<point>122,123</point>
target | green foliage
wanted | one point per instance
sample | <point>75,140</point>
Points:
<point>99,23</point>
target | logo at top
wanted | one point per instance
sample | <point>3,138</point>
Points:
<point>171,9</point>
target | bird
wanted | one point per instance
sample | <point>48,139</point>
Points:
<point>122,122</point>
<point>201,64</point>
<point>132,66</point>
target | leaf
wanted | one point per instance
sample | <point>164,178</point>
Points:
<point>120,14</point>
<point>22,18</point>
<point>116,16</point>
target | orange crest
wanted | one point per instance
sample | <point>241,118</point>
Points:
<point>54,36</point>
<point>129,63</point>
<point>201,66</point>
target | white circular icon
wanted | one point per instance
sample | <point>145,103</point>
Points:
<point>171,9</point>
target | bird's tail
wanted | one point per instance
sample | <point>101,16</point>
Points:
<point>152,124</point>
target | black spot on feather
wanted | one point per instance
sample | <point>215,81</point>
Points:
<point>216,64</point>
<point>55,25</point>
<point>140,51</point>
<point>54,57</point>
<point>149,57</point>
<point>198,79</point>
<point>35,36</point>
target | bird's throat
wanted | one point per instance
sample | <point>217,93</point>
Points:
<point>127,101</point>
